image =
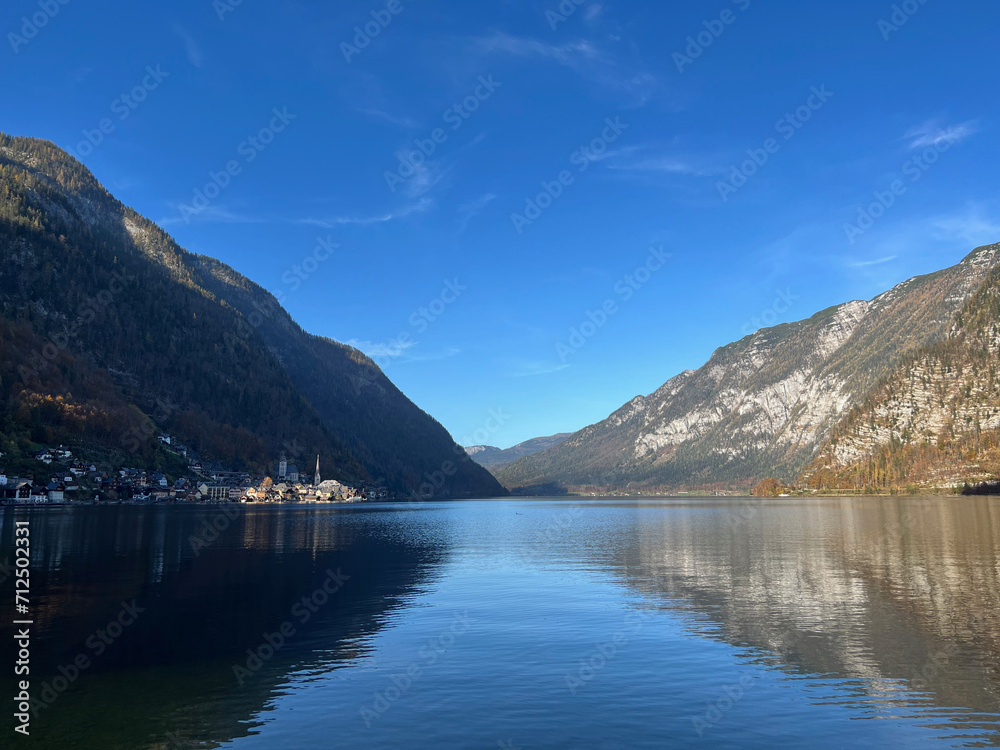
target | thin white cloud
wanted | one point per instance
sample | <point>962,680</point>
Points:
<point>383,350</point>
<point>867,263</point>
<point>338,221</point>
<point>191,48</point>
<point>656,159</point>
<point>534,369</point>
<point>210,215</point>
<point>468,211</point>
<point>969,226</point>
<point>932,133</point>
<point>400,351</point>
<point>399,121</point>
<point>569,54</point>
<point>580,56</point>
<point>666,165</point>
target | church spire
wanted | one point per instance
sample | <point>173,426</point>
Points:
<point>316,479</point>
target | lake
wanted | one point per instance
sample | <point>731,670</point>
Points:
<point>571,623</point>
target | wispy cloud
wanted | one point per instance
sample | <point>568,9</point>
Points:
<point>570,54</point>
<point>580,55</point>
<point>666,165</point>
<point>211,215</point>
<point>867,263</point>
<point>338,221</point>
<point>401,351</point>
<point>191,48</point>
<point>656,159</point>
<point>81,73</point>
<point>400,121</point>
<point>970,226</point>
<point>468,211</point>
<point>932,133</point>
<point>534,369</point>
<point>383,350</point>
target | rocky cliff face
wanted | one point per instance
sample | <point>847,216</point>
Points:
<point>761,406</point>
<point>934,420</point>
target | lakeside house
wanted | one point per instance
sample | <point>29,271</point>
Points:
<point>217,485</point>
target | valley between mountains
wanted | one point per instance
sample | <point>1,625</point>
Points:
<point>894,393</point>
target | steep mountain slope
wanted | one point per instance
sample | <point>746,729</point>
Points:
<point>109,330</point>
<point>934,421</point>
<point>761,406</point>
<point>492,457</point>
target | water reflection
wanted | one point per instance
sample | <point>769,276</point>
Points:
<point>883,609</point>
<point>208,585</point>
<point>901,595</point>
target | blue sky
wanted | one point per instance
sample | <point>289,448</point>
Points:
<point>634,127</point>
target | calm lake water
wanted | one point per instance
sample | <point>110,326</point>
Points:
<point>820,623</point>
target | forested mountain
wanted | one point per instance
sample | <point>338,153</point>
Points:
<point>110,331</point>
<point>764,405</point>
<point>492,457</point>
<point>934,421</point>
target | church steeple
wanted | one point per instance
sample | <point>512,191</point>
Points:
<point>316,479</point>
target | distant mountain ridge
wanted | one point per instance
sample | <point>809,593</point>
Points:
<point>109,331</point>
<point>491,457</point>
<point>762,406</point>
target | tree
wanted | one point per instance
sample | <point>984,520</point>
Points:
<point>769,487</point>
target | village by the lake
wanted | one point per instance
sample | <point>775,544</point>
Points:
<point>64,477</point>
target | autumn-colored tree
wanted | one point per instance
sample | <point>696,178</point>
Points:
<point>769,487</point>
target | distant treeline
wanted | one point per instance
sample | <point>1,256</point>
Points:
<point>984,488</point>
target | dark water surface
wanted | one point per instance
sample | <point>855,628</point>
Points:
<point>817,623</point>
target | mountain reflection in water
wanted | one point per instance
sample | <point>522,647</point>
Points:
<point>788,623</point>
